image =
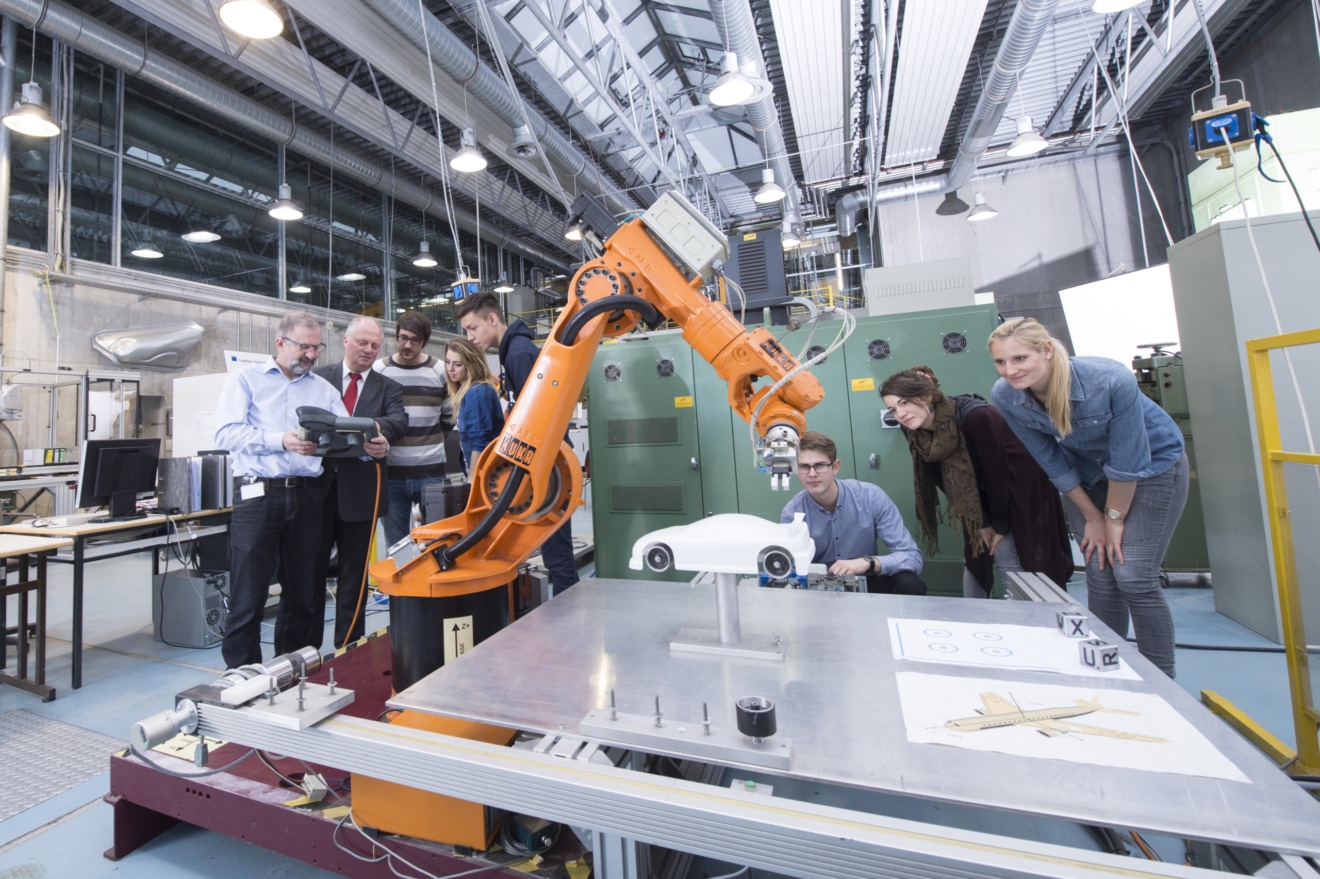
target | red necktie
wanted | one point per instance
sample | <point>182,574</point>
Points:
<point>350,395</point>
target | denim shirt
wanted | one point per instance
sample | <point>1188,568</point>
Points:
<point>1118,432</point>
<point>862,514</point>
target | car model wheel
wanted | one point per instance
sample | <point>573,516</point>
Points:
<point>775,561</point>
<point>659,558</point>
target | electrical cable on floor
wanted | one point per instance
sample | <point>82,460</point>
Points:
<point>735,873</point>
<point>390,855</point>
<point>1145,849</point>
<point>160,768</point>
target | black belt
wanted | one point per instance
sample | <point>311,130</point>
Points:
<point>272,481</point>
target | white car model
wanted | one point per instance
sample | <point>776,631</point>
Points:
<point>731,543</point>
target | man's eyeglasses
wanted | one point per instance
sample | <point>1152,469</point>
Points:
<point>815,468</point>
<point>407,340</point>
<point>304,347</point>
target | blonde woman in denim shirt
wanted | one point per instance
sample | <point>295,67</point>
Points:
<point>1117,458</point>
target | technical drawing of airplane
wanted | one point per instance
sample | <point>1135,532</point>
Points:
<point>999,712</point>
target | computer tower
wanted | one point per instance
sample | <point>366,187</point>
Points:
<point>188,608</point>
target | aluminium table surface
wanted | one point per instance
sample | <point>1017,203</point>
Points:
<point>836,696</point>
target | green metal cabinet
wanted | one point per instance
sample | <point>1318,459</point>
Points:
<point>1160,376</point>
<point>643,431</point>
<point>669,450</point>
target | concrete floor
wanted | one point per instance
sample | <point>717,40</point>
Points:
<point>127,675</point>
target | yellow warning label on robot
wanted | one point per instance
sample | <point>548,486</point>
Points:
<point>863,384</point>
<point>682,402</point>
<point>458,636</point>
<point>749,236</point>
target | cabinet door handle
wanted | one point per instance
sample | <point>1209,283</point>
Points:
<point>874,460</point>
<point>92,427</point>
<point>694,463</point>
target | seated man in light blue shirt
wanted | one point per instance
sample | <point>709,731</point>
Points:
<point>846,516</point>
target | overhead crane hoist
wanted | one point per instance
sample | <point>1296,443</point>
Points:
<point>528,480</point>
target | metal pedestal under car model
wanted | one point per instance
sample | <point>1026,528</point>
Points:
<point>666,450</point>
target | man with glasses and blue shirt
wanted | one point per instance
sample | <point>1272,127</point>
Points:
<point>275,526</point>
<point>847,516</point>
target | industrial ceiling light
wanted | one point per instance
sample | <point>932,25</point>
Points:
<point>468,159</point>
<point>788,238</point>
<point>351,276</point>
<point>200,236</point>
<point>423,259</point>
<point>29,115</point>
<point>300,287</point>
<point>1107,6</point>
<point>254,19</point>
<point>573,232</point>
<point>146,250</point>
<point>981,210</point>
<point>524,144</point>
<point>1027,142</point>
<point>503,286</point>
<point>284,208</point>
<point>733,87</point>
<point>952,205</point>
<point>770,191</point>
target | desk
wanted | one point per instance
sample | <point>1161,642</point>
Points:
<point>24,549</point>
<point>82,547</point>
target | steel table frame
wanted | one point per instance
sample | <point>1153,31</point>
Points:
<point>84,549</point>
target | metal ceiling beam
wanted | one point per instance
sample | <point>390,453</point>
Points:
<point>450,54</point>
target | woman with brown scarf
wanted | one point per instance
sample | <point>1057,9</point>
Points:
<point>997,496</point>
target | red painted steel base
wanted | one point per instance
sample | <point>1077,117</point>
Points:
<point>248,803</point>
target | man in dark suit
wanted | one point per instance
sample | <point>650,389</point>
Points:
<point>357,488</point>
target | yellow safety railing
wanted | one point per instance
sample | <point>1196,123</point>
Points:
<point>1306,718</point>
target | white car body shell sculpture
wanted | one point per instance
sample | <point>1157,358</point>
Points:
<point>732,543</point>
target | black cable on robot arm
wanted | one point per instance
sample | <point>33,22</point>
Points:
<point>649,313</point>
<point>446,555</point>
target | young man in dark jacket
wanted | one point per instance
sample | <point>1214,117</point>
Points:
<point>482,318</point>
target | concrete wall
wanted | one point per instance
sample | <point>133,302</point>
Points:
<point>1058,227</point>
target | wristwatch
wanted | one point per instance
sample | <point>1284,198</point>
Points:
<point>871,561</point>
<point>1115,515</point>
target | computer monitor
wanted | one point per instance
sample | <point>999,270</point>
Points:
<point>113,473</point>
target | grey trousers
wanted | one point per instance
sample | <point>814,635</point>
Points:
<point>1133,588</point>
<point>1006,559</point>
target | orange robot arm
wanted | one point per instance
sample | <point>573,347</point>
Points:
<point>528,480</point>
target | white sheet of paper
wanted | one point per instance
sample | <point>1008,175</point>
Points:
<point>1086,725</point>
<point>990,645</point>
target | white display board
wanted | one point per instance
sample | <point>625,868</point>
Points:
<point>1111,318</point>
<point>195,398</point>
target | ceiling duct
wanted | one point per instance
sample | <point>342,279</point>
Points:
<point>737,28</point>
<point>456,59</point>
<point>85,34</point>
<point>1028,25</point>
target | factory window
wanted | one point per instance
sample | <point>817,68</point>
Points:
<point>92,196</point>
<point>185,176</point>
<point>347,257</point>
<point>93,101</point>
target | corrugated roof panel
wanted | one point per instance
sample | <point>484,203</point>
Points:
<point>937,39</point>
<point>817,76</point>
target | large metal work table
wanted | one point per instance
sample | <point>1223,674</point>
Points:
<point>837,698</point>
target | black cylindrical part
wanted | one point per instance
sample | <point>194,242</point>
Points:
<point>423,631</point>
<point>756,717</point>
